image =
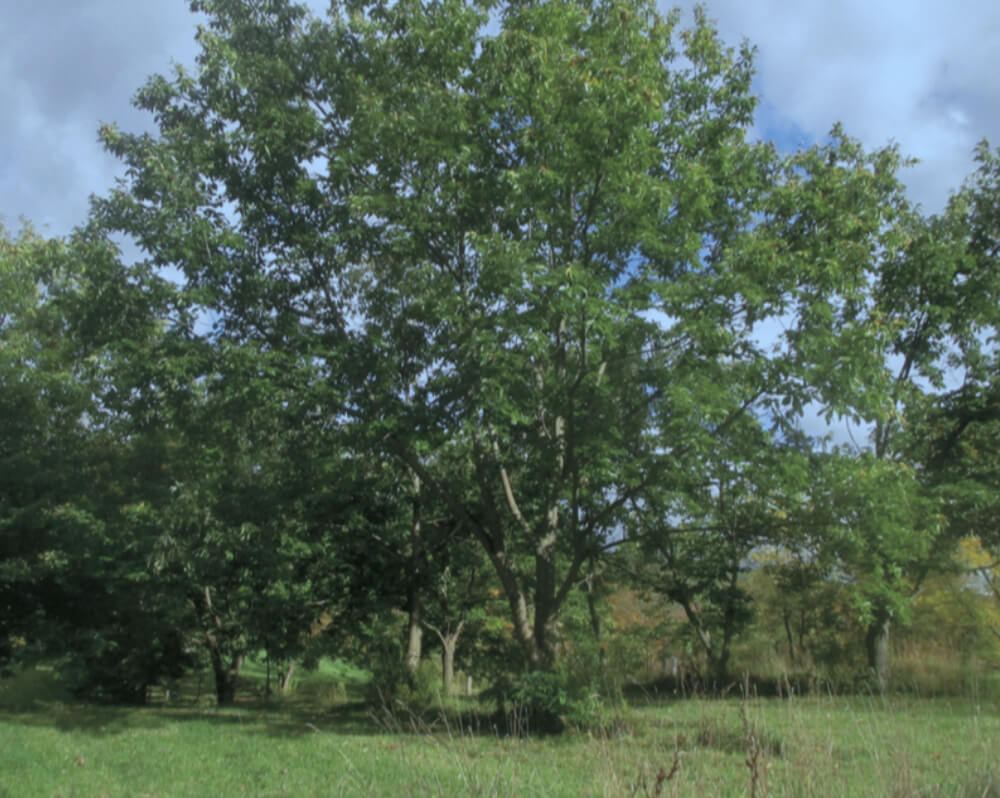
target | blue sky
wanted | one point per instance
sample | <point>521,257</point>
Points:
<point>918,73</point>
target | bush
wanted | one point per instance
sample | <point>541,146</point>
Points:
<point>530,703</point>
<point>546,702</point>
<point>119,666</point>
<point>394,687</point>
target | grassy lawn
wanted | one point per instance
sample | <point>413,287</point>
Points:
<point>315,744</point>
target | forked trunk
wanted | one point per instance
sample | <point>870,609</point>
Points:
<point>449,643</point>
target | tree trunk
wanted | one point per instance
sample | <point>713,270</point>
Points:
<point>225,677</point>
<point>448,645</point>
<point>546,600</point>
<point>877,645</point>
<point>285,679</point>
<point>516,599</point>
<point>595,624</point>
<point>719,668</point>
<point>704,635</point>
<point>545,631</point>
<point>415,631</point>
<point>790,638</point>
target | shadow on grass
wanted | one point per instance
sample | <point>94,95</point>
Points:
<point>348,719</point>
<point>37,697</point>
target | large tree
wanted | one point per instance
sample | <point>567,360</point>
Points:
<point>528,240</point>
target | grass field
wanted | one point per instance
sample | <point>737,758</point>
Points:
<point>313,743</point>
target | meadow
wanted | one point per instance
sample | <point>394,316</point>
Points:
<point>318,741</point>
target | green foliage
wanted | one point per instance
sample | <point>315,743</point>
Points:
<point>882,531</point>
<point>541,253</point>
<point>455,290</point>
<point>534,702</point>
<point>805,622</point>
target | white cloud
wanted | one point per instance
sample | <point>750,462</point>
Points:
<point>917,73</point>
<point>65,68</point>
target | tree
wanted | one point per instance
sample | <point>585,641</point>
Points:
<point>251,507</point>
<point>804,609</point>
<point>883,532</point>
<point>957,441</point>
<point>41,435</point>
<point>74,581</point>
<point>531,252</point>
<point>935,303</point>
<point>457,600</point>
<point>695,545</point>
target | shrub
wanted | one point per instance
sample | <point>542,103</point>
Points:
<point>531,703</point>
<point>546,702</point>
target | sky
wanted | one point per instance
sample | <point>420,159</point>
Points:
<point>921,74</point>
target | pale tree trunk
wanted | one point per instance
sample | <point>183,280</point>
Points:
<point>449,644</point>
<point>877,645</point>
<point>415,631</point>
<point>448,664</point>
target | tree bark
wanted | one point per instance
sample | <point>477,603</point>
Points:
<point>545,610</point>
<point>449,644</point>
<point>877,645</point>
<point>448,664</point>
<point>790,638</point>
<point>415,630</point>
<point>225,677</point>
<point>595,623</point>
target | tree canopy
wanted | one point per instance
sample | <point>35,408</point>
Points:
<point>523,267</point>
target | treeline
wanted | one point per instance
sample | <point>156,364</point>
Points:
<point>466,335</point>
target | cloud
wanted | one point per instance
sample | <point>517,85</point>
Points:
<point>65,68</point>
<point>920,74</point>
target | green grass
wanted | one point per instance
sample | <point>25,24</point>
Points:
<point>311,743</point>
